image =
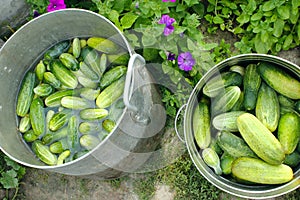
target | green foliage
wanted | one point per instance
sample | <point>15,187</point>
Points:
<point>11,174</point>
<point>263,26</point>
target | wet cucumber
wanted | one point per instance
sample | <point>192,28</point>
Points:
<point>43,153</point>
<point>93,113</point>
<point>88,72</point>
<point>76,47</point>
<point>111,93</point>
<point>89,141</point>
<point>24,124</point>
<point>54,99</point>
<point>92,59</point>
<point>29,136</point>
<point>63,74</point>
<point>267,108</point>
<point>51,137</point>
<point>75,103</point>
<point>59,146</point>
<point>212,159</point>
<point>226,161</point>
<point>52,80</point>
<point>108,125</point>
<point>37,116</point>
<point>43,90</point>
<point>280,80</point>
<point>26,93</point>
<point>58,120</point>
<point>102,44</point>
<point>252,81</point>
<point>260,139</point>
<point>40,69</point>
<point>201,125</point>
<point>69,61</point>
<point>289,132</point>
<point>56,50</point>
<point>258,171</point>
<point>112,75</point>
<point>73,135</point>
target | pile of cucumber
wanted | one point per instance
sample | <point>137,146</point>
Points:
<point>247,124</point>
<point>71,99</point>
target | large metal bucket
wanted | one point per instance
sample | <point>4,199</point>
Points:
<point>127,148</point>
<point>237,189</point>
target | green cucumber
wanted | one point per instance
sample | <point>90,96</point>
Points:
<point>93,113</point>
<point>40,69</point>
<point>43,89</point>
<point>69,61</point>
<point>52,80</point>
<point>252,81</point>
<point>292,159</point>
<point>66,77</point>
<point>43,153</point>
<point>212,159</point>
<point>234,145</point>
<point>112,75</point>
<point>102,44</point>
<point>111,93</point>
<point>37,116</point>
<point>76,47</point>
<point>88,72</point>
<point>108,125</point>
<point>218,83</point>
<point>280,80</point>
<point>267,108</point>
<point>59,146</point>
<point>75,103</point>
<point>30,136</point>
<point>227,121</point>
<point>54,99</point>
<point>24,124</point>
<point>51,137</point>
<point>73,135</point>
<point>92,59</point>
<point>289,132</point>
<point>63,156</point>
<point>58,120</point>
<point>56,50</point>
<point>26,93</point>
<point>201,125</point>
<point>226,161</point>
<point>89,141</point>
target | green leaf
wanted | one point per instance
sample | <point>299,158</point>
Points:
<point>278,27</point>
<point>287,42</point>
<point>238,30</point>
<point>283,12</point>
<point>243,18</point>
<point>260,47</point>
<point>295,3</point>
<point>180,7</point>
<point>9,180</point>
<point>114,16</point>
<point>268,6</point>
<point>12,163</point>
<point>256,16</point>
<point>128,20</point>
<point>199,9</point>
<point>250,8</point>
<point>218,20</point>
<point>191,2</point>
<point>298,31</point>
<point>264,36</point>
<point>294,17</point>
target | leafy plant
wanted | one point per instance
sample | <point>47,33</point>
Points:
<point>11,175</point>
<point>262,26</point>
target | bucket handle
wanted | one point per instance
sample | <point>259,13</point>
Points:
<point>129,78</point>
<point>175,122</point>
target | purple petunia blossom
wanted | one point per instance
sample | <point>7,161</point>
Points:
<point>56,5</point>
<point>35,14</point>
<point>171,56</point>
<point>169,1</point>
<point>168,21</point>
<point>186,61</point>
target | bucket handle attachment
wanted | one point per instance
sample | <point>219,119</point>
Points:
<point>175,122</point>
<point>128,80</point>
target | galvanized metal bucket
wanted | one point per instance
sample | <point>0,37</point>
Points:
<point>237,189</point>
<point>127,148</point>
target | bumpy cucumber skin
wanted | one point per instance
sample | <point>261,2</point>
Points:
<point>54,99</point>
<point>93,113</point>
<point>227,121</point>
<point>280,80</point>
<point>226,161</point>
<point>225,101</point>
<point>267,108</point>
<point>26,93</point>
<point>73,135</point>
<point>108,125</point>
<point>111,93</point>
<point>56,50</point>
<point>289,132</point>
<point>213,87</point>
<point>63,74</point>
<point>102,44</point>
<point>112,75</point>
<point>37,116</point>
<point>69,61</point>
<point>252,81</point>
<point>260,139</point>
<point>258,171</point>
<point>201,125</point>
<point>43,153</point>
<point>234,145</point>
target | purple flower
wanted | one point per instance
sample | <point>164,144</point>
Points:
<point>56,5</point>
<point>186,61</point>
<point>168,21</point>
<point>171,56</point>
<point>169,1</point>
<point>35,14</point>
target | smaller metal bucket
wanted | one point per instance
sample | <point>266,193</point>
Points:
<point>237,189</point>
<point>127,148</point>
